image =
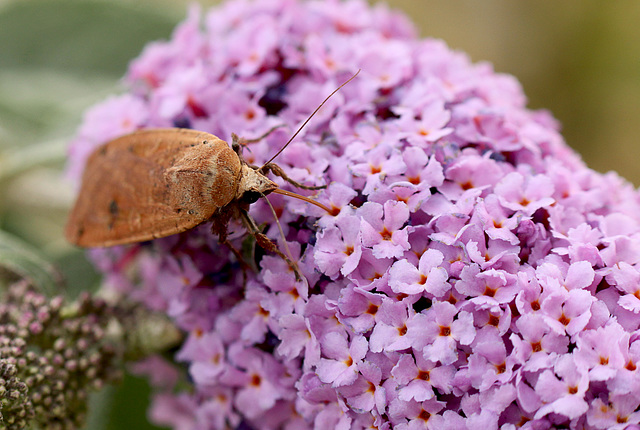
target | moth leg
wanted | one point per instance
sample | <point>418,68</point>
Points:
<point>243,263</point>
<point>238,142</point>
<point>278,171</point>
<point>219,224</point>
<point>265,243</point>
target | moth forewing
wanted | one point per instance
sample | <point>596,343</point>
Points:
<point>151,184</point>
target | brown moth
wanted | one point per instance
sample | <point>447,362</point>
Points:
<point>158,182</point>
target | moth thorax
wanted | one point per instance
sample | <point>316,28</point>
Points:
<point>203,182</point>
<point>254,182</point>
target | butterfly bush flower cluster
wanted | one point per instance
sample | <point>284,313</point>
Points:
<point>472,272</point>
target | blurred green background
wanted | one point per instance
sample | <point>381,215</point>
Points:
<point>580,60</point>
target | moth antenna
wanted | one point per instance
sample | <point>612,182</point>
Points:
<point>299,197</point>
<point>309,119</point>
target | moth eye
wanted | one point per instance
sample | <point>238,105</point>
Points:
<point>250,197</point>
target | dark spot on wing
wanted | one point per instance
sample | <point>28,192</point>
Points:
<point>113,208</point>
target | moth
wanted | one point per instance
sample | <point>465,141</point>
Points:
<point>155,183</point>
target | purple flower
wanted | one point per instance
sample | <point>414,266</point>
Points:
<point>600,351</point>
<point>416,415</point>
<point>620,412</point>
<point>489,364</point>
<point>444,329</point>
<point>431,125</point>
<point>417,378</point>
<point>536,347</point>
<point>365,393</point>
<point>471,272</point>
<point>391,330</point>
<point>296,336</point>
<point>343,359</point>
<point>206,353</point>
<point>359,309</point>
<point>260,379</point>
<point>491,286</point>
<point>381,161</point>
<point>567,311</point>
<point>339,247</point>
<point>563,389</point>
<point>387,238</point>
<point>428,277</point>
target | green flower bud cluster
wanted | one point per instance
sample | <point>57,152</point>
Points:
<point>52,355</point>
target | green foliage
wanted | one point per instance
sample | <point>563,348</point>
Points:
<point>25,262</point>
<point>81,37</point>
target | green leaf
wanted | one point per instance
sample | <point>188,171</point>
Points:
<point>130,404</point>
<point>121,407</point>
<point>26,262</point>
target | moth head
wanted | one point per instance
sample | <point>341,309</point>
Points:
<point>253,185</point>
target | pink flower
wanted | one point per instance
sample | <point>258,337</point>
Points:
<point>417,378</point>
<point>260,379</point>
<point>563,389</point>
<point>427,277</point>
<point>359,309</point>
<point>601,351</point>
<point>619,413</point>
<point>339,248</point>
<point>382,161</point>
<point>491,286</point>
<point>525,195</point>
<point>366,394</point>
<point>537,347</point>
<point>430,127</point>
<point>389,237</point>
<point>343,358</point>
<point>567,311</point>
<point>206,353</point>
<point>391,330</point>
<point>444,330</point>
<point>296,337</point>
<point>489,364</point>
